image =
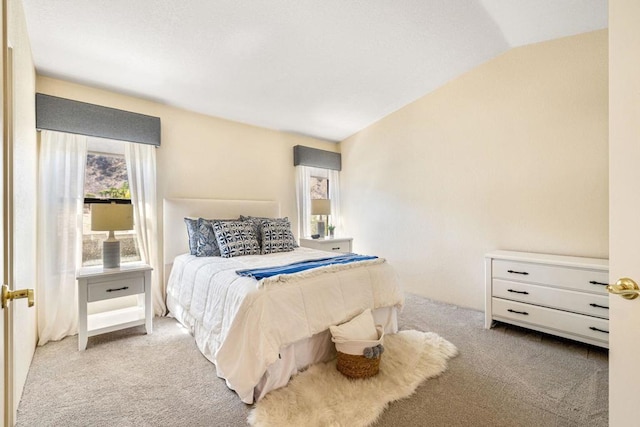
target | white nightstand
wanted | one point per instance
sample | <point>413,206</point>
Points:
<point>337,244</point>
<point>97,283</point>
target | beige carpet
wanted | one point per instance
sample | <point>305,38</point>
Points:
<point>502,377</point>
<point>321,396</point>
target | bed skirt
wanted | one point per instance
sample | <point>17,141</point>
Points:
<point>319,348</point>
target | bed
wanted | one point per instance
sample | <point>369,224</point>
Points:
<point>260,333</point>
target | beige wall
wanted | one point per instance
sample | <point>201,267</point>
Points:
<point>24,187</point>
<point>208,157</point>
<point>511,155</point>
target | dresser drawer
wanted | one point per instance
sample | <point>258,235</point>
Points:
<point>555,320</point>
<point>557,276</point>
<point>579,302</point>
<point>115,288</point>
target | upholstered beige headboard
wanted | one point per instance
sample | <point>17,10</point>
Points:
<point>175,241</point>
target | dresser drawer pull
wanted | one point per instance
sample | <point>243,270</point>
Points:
<point>598,306</point>
<point>118,289</point>
<point>518,292</point>
<point>599,330</point>
<point>518,312</point>
<point>335,249</point>
<point>593,282</point>
<point>518,272</point>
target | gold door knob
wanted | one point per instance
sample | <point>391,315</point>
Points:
<point>625,287</point>
<point>8,295</point>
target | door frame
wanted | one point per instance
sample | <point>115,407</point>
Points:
<point>7,214</point>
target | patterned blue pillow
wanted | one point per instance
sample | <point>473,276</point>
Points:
<point>258,223</point>
<point>192,232</point>
<point>236,238</point>
<point>276,236</point>
<point>206,244</point>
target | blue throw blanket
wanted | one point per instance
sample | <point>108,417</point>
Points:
<point>262,273</point>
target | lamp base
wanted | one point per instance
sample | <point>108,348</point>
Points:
<point>321,229</point>
<point>111,254</point>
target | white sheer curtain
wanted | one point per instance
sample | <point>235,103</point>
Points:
<point>303,197</point>
<point>334,196</point>
<point>141,170</point>
<point>62,163</point>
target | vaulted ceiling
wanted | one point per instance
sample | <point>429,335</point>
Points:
<point>321,68</point>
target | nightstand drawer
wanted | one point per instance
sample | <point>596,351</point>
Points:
<point>344,246</point>
<point>115,288</point>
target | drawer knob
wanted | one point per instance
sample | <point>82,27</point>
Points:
<point>518,312</point>
<point>593,328</point>
<point>524,273</point>
<point>518,292</point>
<point>118,289</point>
<point>624,287</point>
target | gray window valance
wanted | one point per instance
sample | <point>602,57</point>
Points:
<point>307,156</point>
<point>66,115</point>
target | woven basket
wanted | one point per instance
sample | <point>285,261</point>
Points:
<point>351,361</point>
<point>357,366</point>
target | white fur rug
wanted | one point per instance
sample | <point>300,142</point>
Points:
<point>322,396</point>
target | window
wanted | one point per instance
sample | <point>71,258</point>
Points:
<point>317,183</point>
<point>319,187</point>
<point>105,179</point>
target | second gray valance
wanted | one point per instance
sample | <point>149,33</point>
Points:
<point>307,156</point>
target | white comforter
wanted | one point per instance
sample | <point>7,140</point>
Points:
<point>241,328</point>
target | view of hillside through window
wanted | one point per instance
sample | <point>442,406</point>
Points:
<point>105,178</point>
<point>319,190</point>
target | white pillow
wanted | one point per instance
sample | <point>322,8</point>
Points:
<point>361,327</point>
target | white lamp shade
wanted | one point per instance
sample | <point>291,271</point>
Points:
<point>111,217</point>
<point>320,207</point>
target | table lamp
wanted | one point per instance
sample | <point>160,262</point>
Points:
<point>320,207</point>
<point>111,217</point>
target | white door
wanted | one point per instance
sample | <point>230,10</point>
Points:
<point>3,402</point>
<point>5,343</point>
<point>624,208</point>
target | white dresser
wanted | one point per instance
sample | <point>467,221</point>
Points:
<point>559,295</point>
